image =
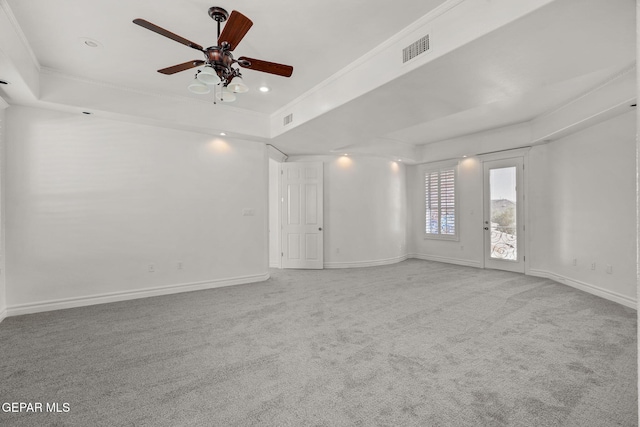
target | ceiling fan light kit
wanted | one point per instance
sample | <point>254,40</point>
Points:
<point>218,60</point>
<point>198,86</point>
<point>225,95</point>
<point>208,75</point>
<point>238,86</point>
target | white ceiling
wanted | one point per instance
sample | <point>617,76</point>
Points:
<point>316,38</point>
<point>521,70</point>
<point>512,75</point>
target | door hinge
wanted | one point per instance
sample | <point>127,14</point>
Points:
<point>281,172</point>
<point>524,258</point>
<point>281,253</point>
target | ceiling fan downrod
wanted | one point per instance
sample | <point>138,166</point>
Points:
<point>219,15</point>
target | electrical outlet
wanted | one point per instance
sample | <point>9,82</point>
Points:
<point>609,269</point>
<point>152,268</point>
<point>179,265</point>
<point>337,250</point>
<point>462,247</point>
<point>593,265</point>
<point>575,262</point>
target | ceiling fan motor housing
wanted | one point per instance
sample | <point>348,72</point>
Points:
<point>221,60</point>
<point>214,54</point>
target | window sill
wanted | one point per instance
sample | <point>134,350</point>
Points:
<point>441,237</point>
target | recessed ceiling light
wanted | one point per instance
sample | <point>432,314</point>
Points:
<point>399,160</point>
<point>90,42</point>
<point>465,156</point>
<point>223,134</point>
<point>264,89</point>
<point>346,154</point>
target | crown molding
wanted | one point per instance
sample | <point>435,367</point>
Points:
<point>620,74</point>
<point>168,97</point>
<point>275,154</point>
<point>424,20</point>
<point>18,30</point>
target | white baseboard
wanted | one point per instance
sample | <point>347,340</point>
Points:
<point>456,261</point>
<point>371,263</point>
<point>64,303</point>
<point>274,265</point>
<point>3,314</point>
<point>587,287</point>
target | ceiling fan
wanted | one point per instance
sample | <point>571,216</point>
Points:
<point>218,60</point>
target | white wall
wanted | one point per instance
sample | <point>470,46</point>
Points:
<point>364,210</point>
<point>91,203</point>
<point>3,293</point>
<point>580,202</point>
<point>274,214</point>
<point>467,250</point>
<point>583,206</point>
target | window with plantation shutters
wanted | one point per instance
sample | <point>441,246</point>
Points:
<point>440,201</point>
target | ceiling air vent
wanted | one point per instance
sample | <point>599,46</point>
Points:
<point>287,119</point>
<point>415,49</point>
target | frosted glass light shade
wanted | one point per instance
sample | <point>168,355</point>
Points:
<point>208,75</point>
<point>198,87</point>
<point>237,85</point>
<point>225,95</point>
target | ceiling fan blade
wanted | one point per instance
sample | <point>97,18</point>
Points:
<point>235,29</point>
<point>181,67</point>
<point>149,26</point>
<point>266,66</point>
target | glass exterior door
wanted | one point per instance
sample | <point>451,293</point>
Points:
<point>503,230</point>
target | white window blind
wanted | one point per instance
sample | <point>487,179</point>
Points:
<point>440,198</point>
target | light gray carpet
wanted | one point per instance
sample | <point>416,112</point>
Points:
<point>413,344</point>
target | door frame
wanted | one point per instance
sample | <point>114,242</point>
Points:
<point>319,165</point>
<point>279,157</point>
<point>522,153</point>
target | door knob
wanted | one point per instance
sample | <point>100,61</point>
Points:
<point>319,228</point>
<point>486,228</point>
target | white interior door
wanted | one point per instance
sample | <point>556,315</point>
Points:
<point>302,219</point>
<point>504,214</point>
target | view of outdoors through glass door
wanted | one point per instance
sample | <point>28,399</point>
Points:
<point>503,213</point>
